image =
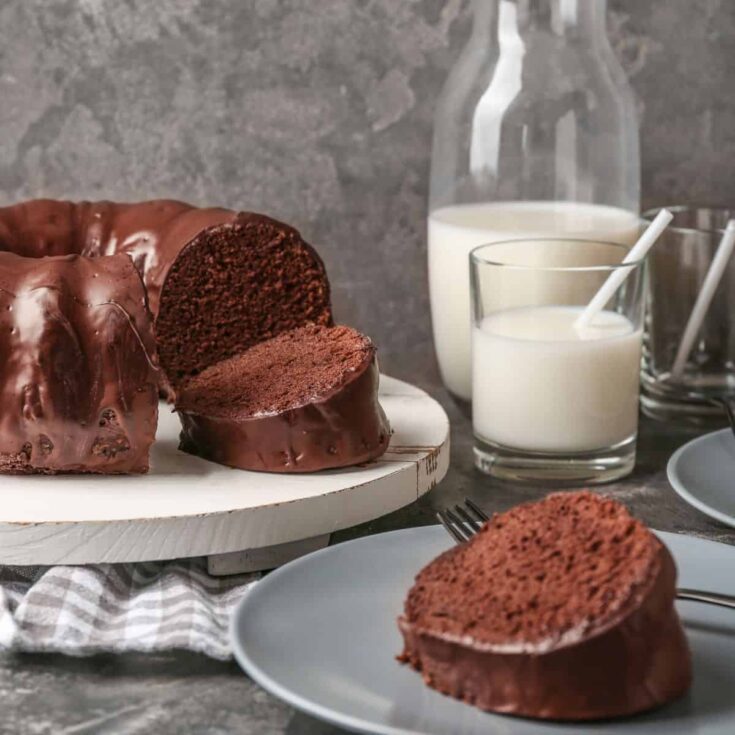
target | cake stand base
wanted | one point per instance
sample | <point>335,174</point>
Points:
<point>240,521</point>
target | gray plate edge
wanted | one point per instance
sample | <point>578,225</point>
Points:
<point>686,495</point>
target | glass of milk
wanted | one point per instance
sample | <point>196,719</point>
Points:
<point>553,403</point>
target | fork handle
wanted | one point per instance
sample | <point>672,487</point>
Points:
<point>711,598</point>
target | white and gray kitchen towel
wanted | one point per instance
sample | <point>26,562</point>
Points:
<point>118,608</point>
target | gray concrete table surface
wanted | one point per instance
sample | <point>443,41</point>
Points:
<point>189,694</point>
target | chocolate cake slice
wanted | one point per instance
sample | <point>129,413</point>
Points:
<point>234,285</point>
<point>561,609</point>
<point>305,400</point>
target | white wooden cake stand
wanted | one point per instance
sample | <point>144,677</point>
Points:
<point>241,520</point>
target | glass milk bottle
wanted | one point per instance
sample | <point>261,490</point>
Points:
<point>535,136</point>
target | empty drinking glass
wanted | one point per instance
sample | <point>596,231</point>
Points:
<point>678,266</point>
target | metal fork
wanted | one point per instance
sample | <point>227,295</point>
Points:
<point>464,520</point>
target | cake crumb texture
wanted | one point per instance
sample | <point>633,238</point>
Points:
<point>233,286</point>
<point>538,571</point>
<point>300,366</point>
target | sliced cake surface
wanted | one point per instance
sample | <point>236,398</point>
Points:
<point>235,285</point>
<point>305,400</point>
<point>561,609</point>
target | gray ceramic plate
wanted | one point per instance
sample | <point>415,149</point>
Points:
<point>703,473</point>
<point>320,633</point>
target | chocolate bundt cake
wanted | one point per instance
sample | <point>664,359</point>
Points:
<point>561,609</point>
<point>233,286</point>
<point>217,283</point>
<point>78,380</point>
<point>305,400</point>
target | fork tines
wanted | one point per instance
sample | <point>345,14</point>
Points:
<point>463,521</point>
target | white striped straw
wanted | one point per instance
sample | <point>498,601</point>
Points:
<point>704,299</point>
<point>616,278</point>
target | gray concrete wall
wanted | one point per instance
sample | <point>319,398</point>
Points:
<point>318,112</point>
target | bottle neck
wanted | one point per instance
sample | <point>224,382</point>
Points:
<point>582,20</point>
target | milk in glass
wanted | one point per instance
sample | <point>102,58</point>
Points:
<point>542,385</point>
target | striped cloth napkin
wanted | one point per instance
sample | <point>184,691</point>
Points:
<point>118,608</point>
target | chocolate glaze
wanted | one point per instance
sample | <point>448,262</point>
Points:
<point>152,233</point>
<point>344,428</point>
<point>78,383</point>
<point>637,661</point>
